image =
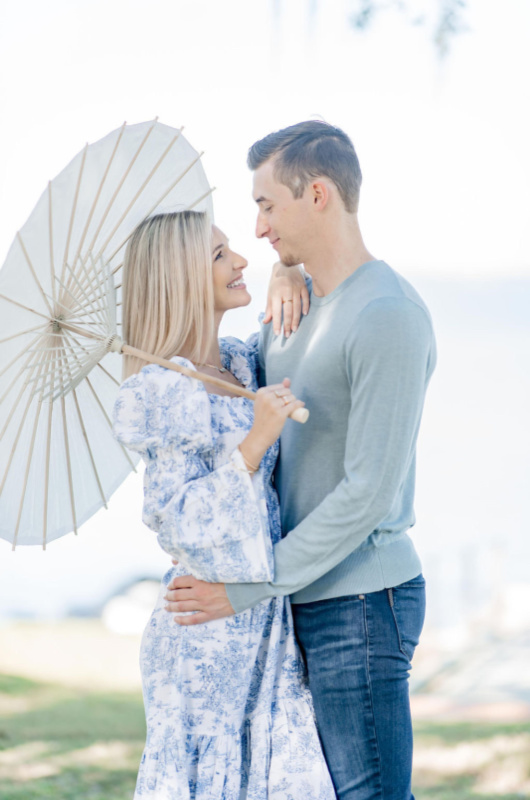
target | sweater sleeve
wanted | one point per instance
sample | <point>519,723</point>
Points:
<point>389,356</point>
<point>212,520</point>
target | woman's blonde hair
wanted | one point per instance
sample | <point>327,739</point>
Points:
<point>168,288</point>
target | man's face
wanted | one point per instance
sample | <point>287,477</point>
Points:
<point>285,221</point>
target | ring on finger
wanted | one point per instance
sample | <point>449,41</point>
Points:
<point>288,301</point>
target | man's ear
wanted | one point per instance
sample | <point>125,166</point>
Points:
<point>320,194</point>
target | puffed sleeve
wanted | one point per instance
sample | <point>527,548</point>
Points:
<point>214,521</point>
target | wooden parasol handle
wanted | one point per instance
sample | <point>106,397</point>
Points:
<point>299,415</point>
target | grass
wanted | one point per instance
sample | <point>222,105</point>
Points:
<point>70,744</point>
<point>66,744</point>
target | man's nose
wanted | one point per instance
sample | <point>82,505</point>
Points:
<point>262,227</point>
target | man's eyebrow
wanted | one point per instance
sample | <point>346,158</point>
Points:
<point>262,199</point>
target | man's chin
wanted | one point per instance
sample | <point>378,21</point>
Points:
<point>290,261</point>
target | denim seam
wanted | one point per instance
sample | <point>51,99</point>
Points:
<point>390,595</point>
<point>365,604</point>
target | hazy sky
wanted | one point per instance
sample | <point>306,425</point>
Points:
<point>446,162</point>
<point>443,145</point>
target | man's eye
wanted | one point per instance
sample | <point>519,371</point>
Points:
<point>269,208</point>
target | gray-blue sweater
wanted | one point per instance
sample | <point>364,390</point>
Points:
<point>361,359</point>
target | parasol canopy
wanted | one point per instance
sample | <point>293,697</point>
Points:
<point>60,317</point>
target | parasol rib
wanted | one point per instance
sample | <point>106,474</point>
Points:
<point>74,208</point>
<point>50,229</point>
<point>100,290</point>
<point>17,437</point>
<point>79,304</point>
<point>83,430</point>
<point>138,193</point>
<point>26,308</point>
<point>32,270</point>
<point>21,371</point>
<point>71,310</point>
<point>100,404</point>
<point>22,333</point>
<point>155,206</point>
<point>47,471</point>
<point>67,451</point>
<point>201,198</point>
<point>98,194</point>
<point>107,373</point>
<point>28,467</point>
<point>98,310</point>
<point>85,435</point>
<point>18,355</point>
<point>118,188</point>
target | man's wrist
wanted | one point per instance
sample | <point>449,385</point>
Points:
<point>247,595</point>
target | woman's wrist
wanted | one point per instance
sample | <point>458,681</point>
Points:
<point>251,468</point>
<point>252,453</point>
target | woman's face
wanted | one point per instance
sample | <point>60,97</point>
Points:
<point>228,284</point>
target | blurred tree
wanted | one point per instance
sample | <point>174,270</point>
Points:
<point>444,17</point>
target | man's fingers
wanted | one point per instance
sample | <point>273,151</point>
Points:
<point>175,596</point>
<point>182,582</point>
<point>193,619</point>
<point>183,605</point>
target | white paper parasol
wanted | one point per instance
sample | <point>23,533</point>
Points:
<point>59,316</point>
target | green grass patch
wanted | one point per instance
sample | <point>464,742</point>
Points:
<point>61,730</point>
<point>14,684</point>
<point>451,733</point>
<point>59,743</point>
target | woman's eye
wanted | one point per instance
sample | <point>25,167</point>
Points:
<point>219,255</point>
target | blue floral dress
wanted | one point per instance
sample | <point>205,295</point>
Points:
<point>229,714</point>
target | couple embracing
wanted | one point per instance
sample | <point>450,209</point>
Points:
<point>275,664</point>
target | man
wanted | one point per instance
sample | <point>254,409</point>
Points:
<point>361,360</point>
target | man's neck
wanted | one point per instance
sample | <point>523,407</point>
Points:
<point>339,253</point>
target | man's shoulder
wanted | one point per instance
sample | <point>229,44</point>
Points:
<point>382,287</point>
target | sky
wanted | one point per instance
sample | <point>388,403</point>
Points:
<point>442,142</point>
<point>443,145</point>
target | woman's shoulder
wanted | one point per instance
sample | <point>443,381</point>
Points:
<point>159,406</point>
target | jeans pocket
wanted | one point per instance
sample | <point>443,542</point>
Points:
<point>407,602</point>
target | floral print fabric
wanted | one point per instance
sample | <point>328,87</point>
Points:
<point>229,714</point>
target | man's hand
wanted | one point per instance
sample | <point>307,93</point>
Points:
<point>287,292</point>
<point>188,594</point>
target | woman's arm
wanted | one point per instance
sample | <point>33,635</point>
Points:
<point>214,521</point>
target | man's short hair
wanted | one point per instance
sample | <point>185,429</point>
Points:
<point>310,150</point>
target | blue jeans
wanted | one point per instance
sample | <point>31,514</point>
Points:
<point>358,651</point>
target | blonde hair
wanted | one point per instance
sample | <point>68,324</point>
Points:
<point>168,288</point>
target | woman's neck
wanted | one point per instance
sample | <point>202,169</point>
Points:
<point>213,354</point>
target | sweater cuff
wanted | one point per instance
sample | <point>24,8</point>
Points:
<point>247,595</point>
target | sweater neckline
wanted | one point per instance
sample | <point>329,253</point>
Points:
<point>317,301</point>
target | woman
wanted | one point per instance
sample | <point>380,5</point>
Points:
<point>228,711</point>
